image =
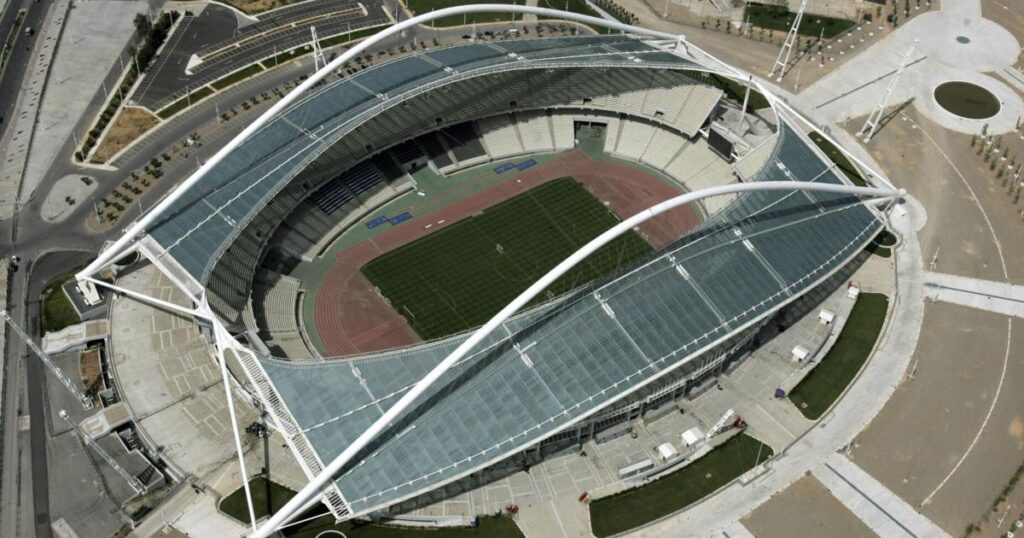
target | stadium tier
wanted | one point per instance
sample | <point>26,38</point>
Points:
<point>555,372</point>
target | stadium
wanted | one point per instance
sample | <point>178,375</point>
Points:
<point>484,253</point>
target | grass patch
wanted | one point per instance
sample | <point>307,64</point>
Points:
<point>57,309</point>
<point>816,392</point>
<point>459,276</point>
<point>839,158</point>
<point>880,245</point>
<point>185,102</point>
<point>268,497</point>
<point>671,493</point>
<point>781,18</point>
<point>237,76</point>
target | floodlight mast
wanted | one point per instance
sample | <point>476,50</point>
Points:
<point>139,227</point>
<point>313,488</point>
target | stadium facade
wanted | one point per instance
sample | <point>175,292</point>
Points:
<point>548,376</point>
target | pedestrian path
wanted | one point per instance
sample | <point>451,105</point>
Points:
<point>999,297</point>
<point>878,507</point>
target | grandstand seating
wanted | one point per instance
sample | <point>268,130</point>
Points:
<point>357,180</point>
<point>535,130</point>
<point>274,298</point>
<point>499,137</point>
<point>635,137</point>
<point>697,167</point>
<point>289,345</point>
<point>275,301</point>
<point>663,148</point>
<point>435,150</point>
<point>306,226</point>
<point>464,144</point>
<point>406,152</point>
<point>353,213</point>
<point>563,127</point>
<point>611,135</point>
<point>748,166</point>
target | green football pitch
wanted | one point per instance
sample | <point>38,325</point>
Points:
<point>455,279</point>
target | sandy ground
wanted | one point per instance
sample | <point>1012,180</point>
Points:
<point>805,508</point>
<point>932,420</point>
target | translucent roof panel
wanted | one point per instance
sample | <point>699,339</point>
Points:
<point>563,361</point>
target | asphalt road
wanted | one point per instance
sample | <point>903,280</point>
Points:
<point>17,64</point>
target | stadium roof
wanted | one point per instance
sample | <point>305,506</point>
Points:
<point>197,228</point>
<point>554,366</point>
<point>551,366</point>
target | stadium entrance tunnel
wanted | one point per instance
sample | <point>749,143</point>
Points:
<point>967,100</point>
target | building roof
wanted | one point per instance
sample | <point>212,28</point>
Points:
<point>200,225</point>
<point>560,363</point>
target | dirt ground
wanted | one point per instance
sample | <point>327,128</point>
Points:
<point>1010,14</point>
<point>932,420</point>
<point>90,368</point>
<point>131,123</point>
<point>352,318</point>
<point>805,508</point>
<point>955,227</point>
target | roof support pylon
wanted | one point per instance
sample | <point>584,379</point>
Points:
<point>871,125</point>
<point>787,47</point>
<point>319,60</point>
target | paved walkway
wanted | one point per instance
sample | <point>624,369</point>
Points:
<point>998,297</point>
<point>955,43</point>
<point>881,509</point>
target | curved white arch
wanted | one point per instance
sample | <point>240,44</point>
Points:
<point>318,482</point>
<point>140,225</point>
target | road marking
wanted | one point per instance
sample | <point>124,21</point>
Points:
<point>991,408</point>
<point>1009,324</point>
